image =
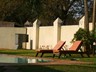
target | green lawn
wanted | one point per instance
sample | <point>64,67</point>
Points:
<point>51,68</point>
<point>32,53</point>
<point>18,52</point>
<point>60,68</point>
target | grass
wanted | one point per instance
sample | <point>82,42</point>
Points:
<point>60,68</point>
<point>51,68</point>
<point>18,52</point>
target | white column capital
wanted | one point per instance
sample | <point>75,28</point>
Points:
<point>58,21</point>
<point>36,23</point>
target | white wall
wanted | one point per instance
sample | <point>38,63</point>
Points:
<point>50,35</point>
<point>30,37</point>
<point>46,35</point>
<point>7,36</point>
<point>40,35</point>
<point>67,33</point>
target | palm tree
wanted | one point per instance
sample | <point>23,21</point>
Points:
<point>86,26</point>
<point>93,19</point>
<point>94,15</point>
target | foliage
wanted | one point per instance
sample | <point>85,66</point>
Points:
<point>87,37</point>
<point>55,8</point>
<point>19,10</point>
<point>46,10</point>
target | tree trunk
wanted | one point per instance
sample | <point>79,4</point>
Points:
<point>94,21</point>
<point>94,15</point>
<point>86,24</point>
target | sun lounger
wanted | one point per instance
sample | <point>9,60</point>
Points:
<point>72,50</point>
<point>58,46</point>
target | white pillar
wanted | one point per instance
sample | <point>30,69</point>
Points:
<point>57,30</point>
<point>36,34</point>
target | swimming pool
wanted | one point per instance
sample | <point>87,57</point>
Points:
<point>24,60</point>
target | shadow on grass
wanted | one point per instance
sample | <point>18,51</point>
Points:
<point>38,68</point>
<point>47,68</point>
<point>28,68</point>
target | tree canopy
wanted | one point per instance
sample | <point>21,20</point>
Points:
<point>70,11</point>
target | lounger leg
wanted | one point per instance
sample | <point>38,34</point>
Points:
<point>59,55</point>
<point>82,55</point>
<point>41,54</point>
<point>53,55</point>
<point>69,54</point>
<point>88,54</point>
<point>36,54</point>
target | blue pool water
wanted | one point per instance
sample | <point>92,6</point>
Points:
<point>12,59</point>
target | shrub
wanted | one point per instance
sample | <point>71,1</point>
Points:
<point>87,37</point>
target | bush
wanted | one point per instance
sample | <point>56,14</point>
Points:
<point>87,37</point>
